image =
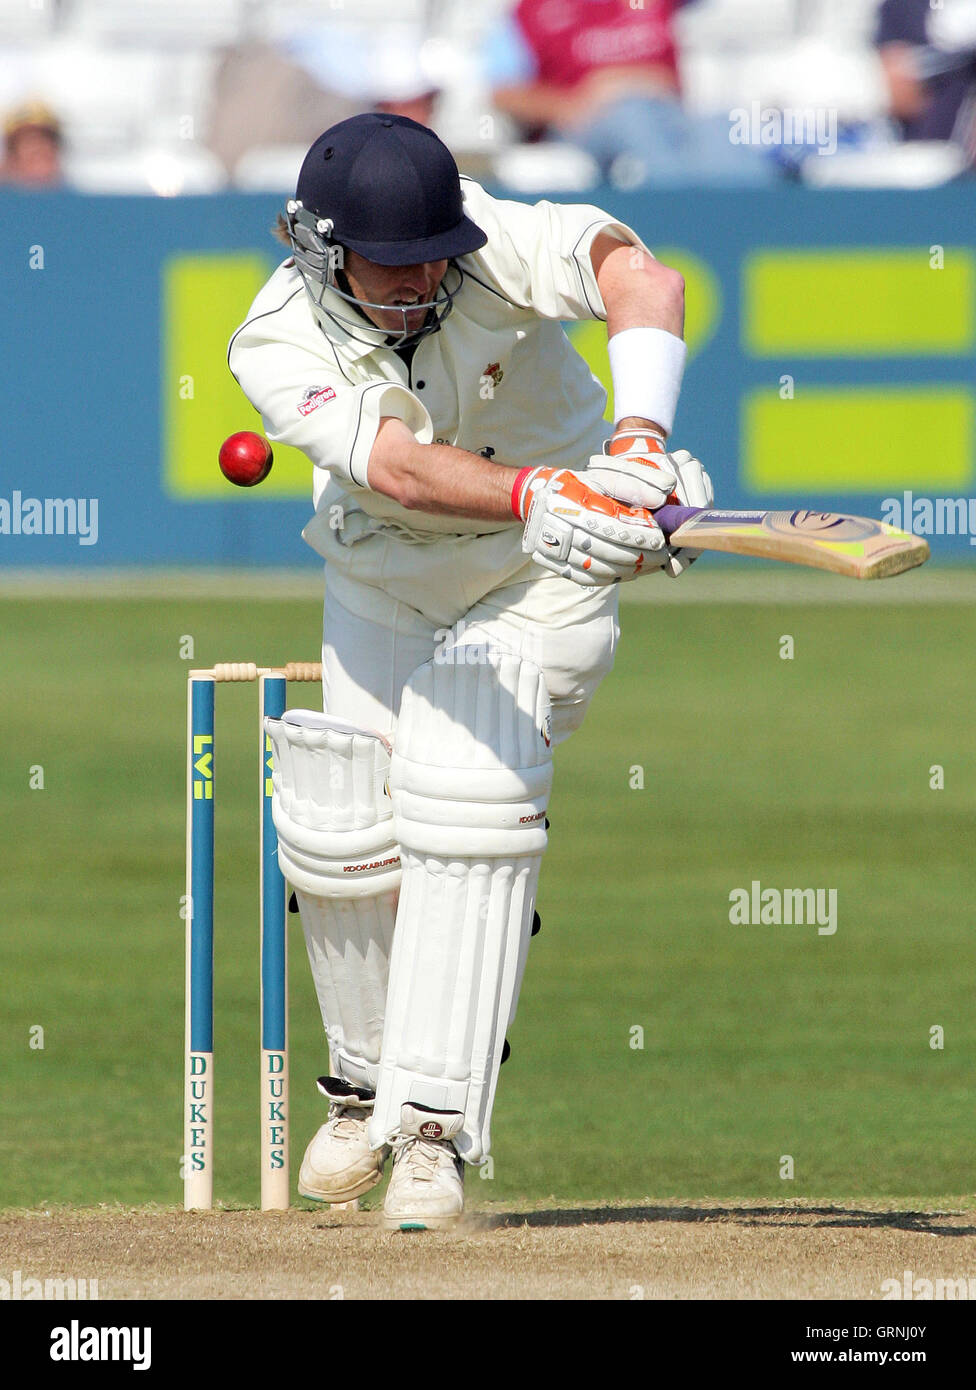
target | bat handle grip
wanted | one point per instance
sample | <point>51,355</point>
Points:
<point>669,517</point>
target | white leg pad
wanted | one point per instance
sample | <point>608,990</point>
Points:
<point>337,847</point>
<point>349,942</point>
<point>470,777</point>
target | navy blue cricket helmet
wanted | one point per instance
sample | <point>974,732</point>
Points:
<point>387,188</point>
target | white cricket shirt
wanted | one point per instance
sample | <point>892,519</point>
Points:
<point>499,374</point>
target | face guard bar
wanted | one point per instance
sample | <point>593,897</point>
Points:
<point>318,258</point>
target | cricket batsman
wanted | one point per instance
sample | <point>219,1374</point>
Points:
<point>475,522</point>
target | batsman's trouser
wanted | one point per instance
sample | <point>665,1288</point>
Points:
<point>372,644</point>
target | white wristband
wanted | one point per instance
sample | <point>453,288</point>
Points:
<point>646,365</point>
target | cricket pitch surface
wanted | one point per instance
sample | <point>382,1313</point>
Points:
<point>745,1250</point>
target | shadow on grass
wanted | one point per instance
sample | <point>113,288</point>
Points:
<point>924,1222</point>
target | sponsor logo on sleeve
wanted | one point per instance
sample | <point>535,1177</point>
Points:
<point>314,397</point>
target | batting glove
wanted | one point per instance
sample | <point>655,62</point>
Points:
<point>693,488</point>
<point>582,534</point>
<point>634,467</point>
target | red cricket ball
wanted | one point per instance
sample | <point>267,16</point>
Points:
<point>245,458</point>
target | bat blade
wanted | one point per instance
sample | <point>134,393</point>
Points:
<point>855,546</point>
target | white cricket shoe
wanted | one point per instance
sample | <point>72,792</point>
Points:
<point>339,1166</point>
<point>426,1190</point>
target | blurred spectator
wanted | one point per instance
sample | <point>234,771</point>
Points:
<point>603,75</point>
<point>32,147</point>
<point>377,69</point>
<point>928,54</point>
<point>289,92</point>
<point>419,107</point>
<point>262,97</point>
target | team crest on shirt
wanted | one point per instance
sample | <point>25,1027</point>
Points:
<point>314,397</point>
<point>493,373</point>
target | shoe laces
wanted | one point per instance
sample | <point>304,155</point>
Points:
<point>425,1155</point>
<point>345,1120</point>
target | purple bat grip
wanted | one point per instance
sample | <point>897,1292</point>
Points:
<point>670,518</point>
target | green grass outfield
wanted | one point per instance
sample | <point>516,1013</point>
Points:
<point>758,1041</point>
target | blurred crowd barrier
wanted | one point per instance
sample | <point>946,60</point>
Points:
<point>832,348</point>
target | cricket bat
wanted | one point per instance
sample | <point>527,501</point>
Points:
<point>854,546</point>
